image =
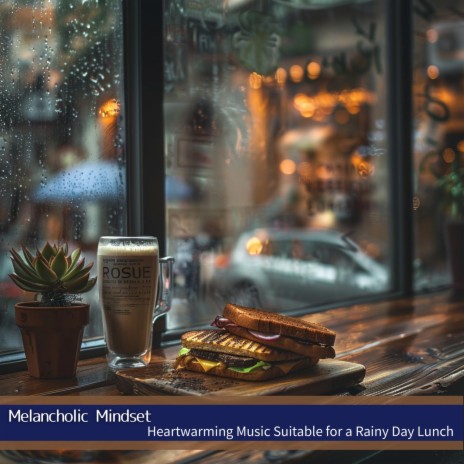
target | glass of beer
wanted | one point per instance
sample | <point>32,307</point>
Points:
<point>135,289</point>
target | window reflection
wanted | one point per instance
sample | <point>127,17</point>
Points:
<point>275,120</point>
<point>438,136</point>
<point>62,166</point>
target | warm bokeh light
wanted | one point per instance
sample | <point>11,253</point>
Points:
<point>296,73</point>
<point>449,155</point>
<point>304,104</point>
<point>109,109</point>
<point>254,246</point>
<point>322,104</point>
<point>365,169</point>
<point>460,146</point>
<point>323,173</point>
<point>255,80</point>
<point>433,72</point>
<point>268,80</point>
<point>287,167</point>
<point>281,76</point>
<point>314,69</point>
<point>325,220</point>
<point>353,109</point>
<point>356,159</point>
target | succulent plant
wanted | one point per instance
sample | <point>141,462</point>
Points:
<point>54,274</point>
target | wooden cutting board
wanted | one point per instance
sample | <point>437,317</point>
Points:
<point>160,378</point>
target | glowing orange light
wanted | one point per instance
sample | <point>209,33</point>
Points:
<point>365,169</point>
<point>110,109</point>
<point>255,80</point>
<point>304,104</point>
<point>449,155</point>
<point>433,72</point>
<point>281,76</point>
<point>268,80</point>
<point>307,112</point>
<point>313,69</point>
<point>356,158</point>
<point>254,246</point>
<point>296,73</point>
<point>353,109</point>
<point>323,173</point>
<point>287,167</point>
<point>460,146</point>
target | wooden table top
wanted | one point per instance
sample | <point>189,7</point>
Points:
<point>410,346</point>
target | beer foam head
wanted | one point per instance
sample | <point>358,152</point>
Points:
<point>127,245</point>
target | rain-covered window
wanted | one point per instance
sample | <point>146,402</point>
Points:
<point>62,163</point>
<point>438,77</point>
<point>276,153</point>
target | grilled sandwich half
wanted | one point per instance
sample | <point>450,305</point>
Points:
<point>279,331</point>
<point>222,353</point>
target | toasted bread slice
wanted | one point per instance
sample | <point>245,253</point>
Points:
<point>280,369</point>
<point>286,343</point>
<point>275,323</point>
<point>225,342</point>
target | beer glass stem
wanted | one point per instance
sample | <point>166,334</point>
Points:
<point>163,303</point>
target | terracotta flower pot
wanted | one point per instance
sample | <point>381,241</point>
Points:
<point>52,337</point>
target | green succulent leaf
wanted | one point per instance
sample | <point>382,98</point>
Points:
<point>27,285</point>
<point>90,284</point>
<point>74,257</point>
<point>73,270</point>
<point>24,271</point>
<point>16,257</point>
<point>45,273</point>
<point>48,252</point>
<point>59,264</point>
<point>52,273</point>
<point>79,274</point>
<point>22,267</point>
<point>76,285</point>
<point>28,256</point>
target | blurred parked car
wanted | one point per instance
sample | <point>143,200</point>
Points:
<point>284,269</point>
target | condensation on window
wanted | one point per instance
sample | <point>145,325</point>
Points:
<point>62,162</point>
<point>276,153</point>
<point>438,144</point>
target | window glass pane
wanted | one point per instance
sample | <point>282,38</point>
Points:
<point>275,130</point>
<point>62,164</point>
<point>438,136</point>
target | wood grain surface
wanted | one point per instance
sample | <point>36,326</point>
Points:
<point>410,346</point>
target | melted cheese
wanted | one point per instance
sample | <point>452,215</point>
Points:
<point>206,364</point>
<point>288,366</point>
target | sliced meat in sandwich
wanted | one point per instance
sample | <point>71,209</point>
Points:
<point>222,353</point>
<point>282,332</point>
